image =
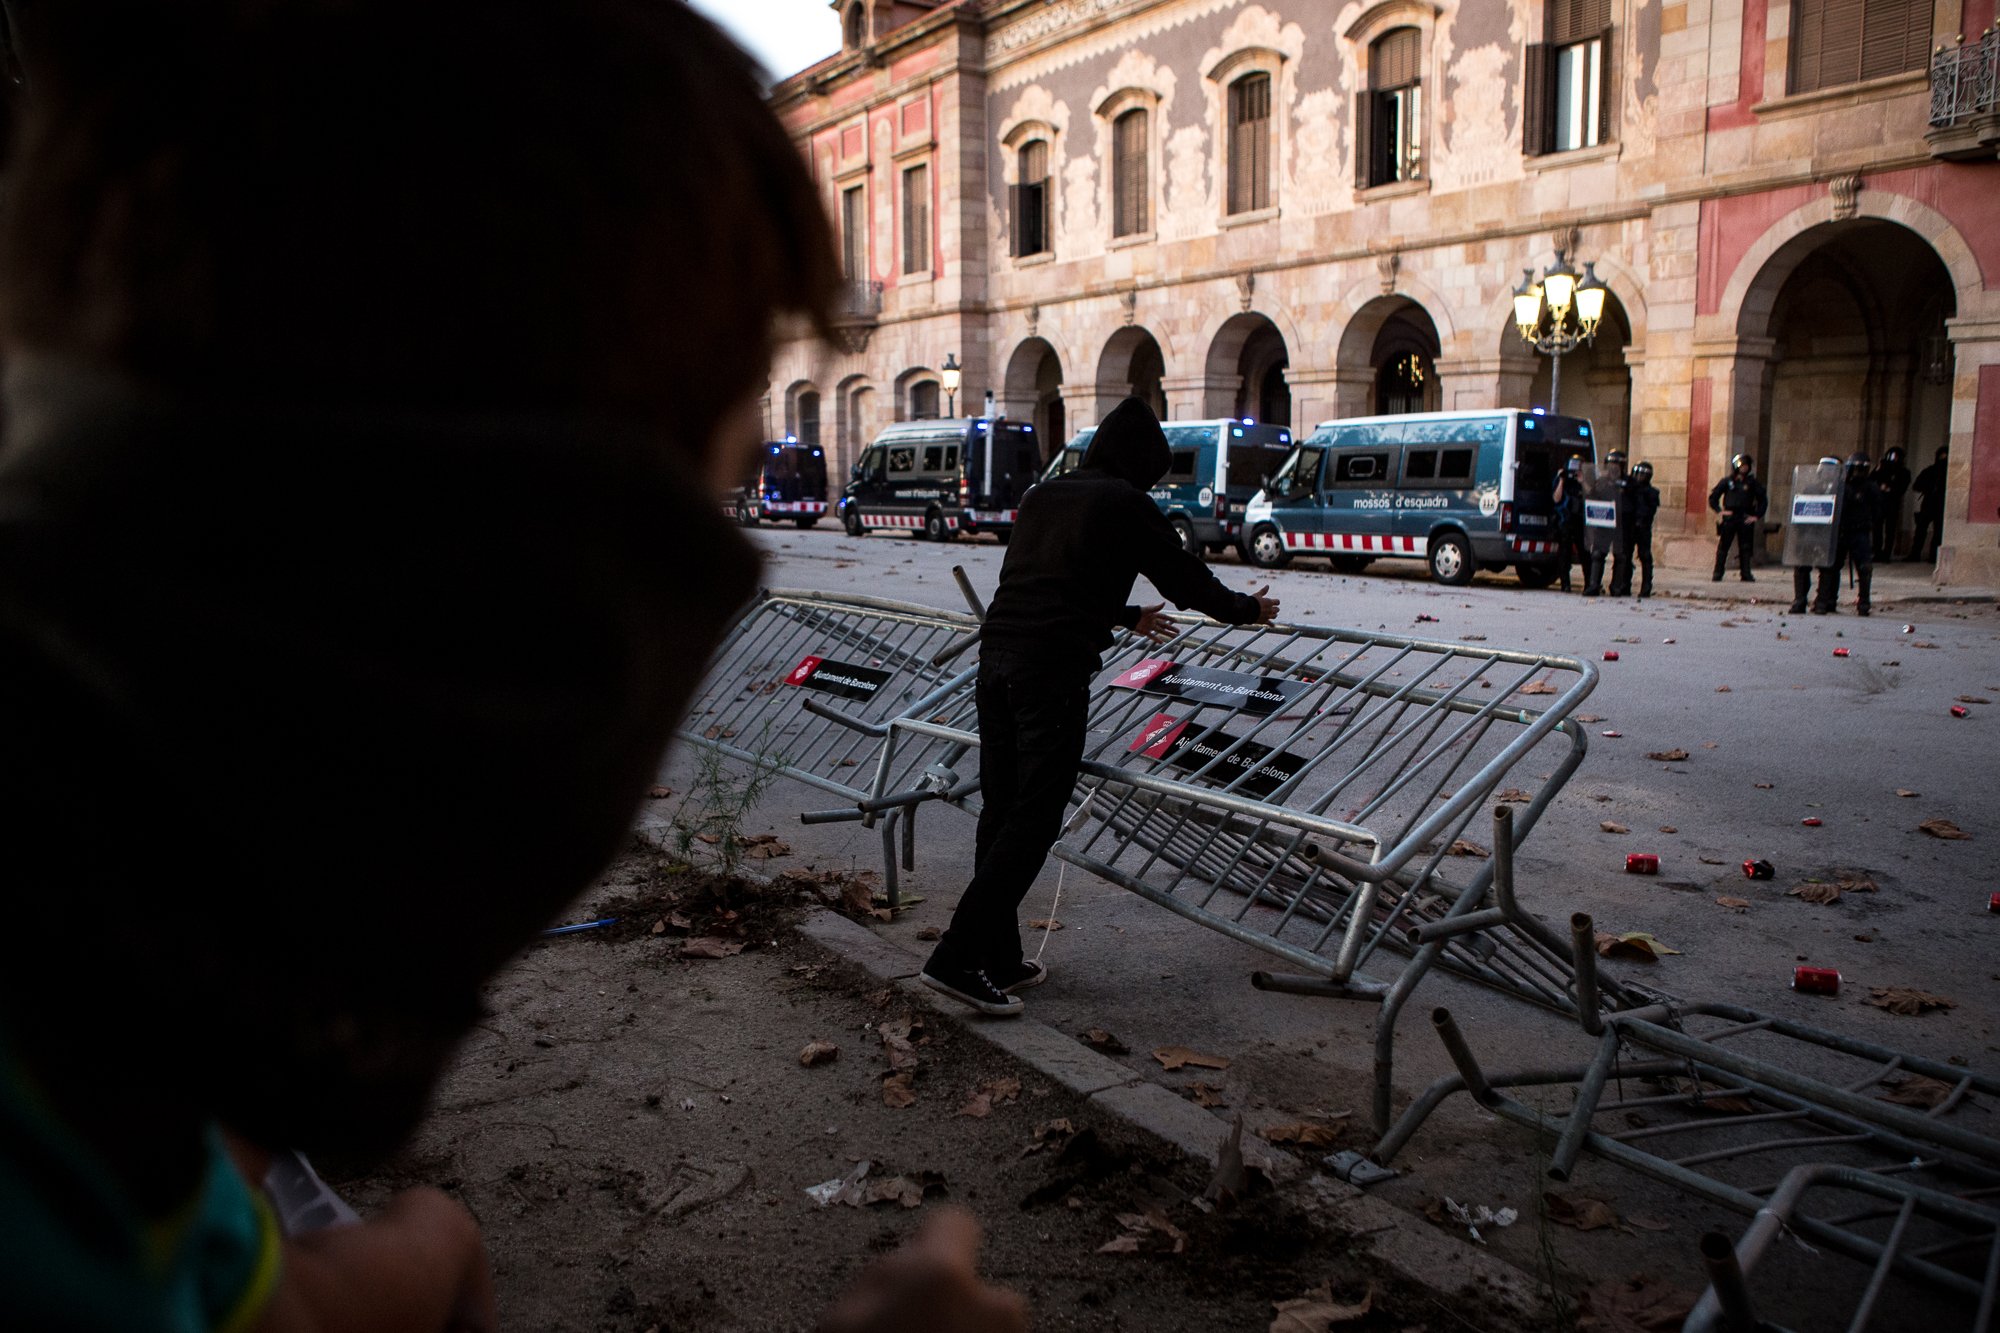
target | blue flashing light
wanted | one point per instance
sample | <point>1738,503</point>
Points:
<point>774,448</point>
<point>1236,434</point>
<point>1284,437</point>
<point>1029,429</point>
<point>817,454</point>
<point>1583,430</point>
<point>1249,421</point>
<point>791,439</point>
<point>1539,412</point>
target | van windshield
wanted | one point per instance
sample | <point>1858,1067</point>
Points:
<point>1249,464</point>
<point>1299,474</point>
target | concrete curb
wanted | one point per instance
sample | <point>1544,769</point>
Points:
<point>1409,1247</point>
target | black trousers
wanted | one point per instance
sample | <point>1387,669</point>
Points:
<point>1031,735</point>
<point>1740,531</point>
<point>1930,529</point>
<point>1642,553</point>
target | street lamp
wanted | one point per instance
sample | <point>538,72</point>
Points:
<point>1559,314</point>
<point>951,374</point>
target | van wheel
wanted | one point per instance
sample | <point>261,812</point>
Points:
<point>746,515</point>
<point>1185,531</point>
<point>1535,576</point>
<point>1266,548</point>
<point>852,521</point>
<point>934,528</point>
<point>1349,564</point>
<point>803,523</point>
<point>1451,559</point>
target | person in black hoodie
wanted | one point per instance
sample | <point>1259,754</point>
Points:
<point>1078,544</point>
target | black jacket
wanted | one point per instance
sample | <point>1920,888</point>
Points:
<point>1930,485</point>
<point>1642,503</point>
<point>1081,539</point>
<point>1739,497</point>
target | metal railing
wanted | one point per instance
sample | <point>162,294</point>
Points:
<point>1965,80</point>
<point>858,302</point>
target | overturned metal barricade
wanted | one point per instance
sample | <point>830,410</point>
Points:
<point>808,685</point>
<point>1310,791</point>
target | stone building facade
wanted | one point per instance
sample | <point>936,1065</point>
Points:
<point>1303,209</point>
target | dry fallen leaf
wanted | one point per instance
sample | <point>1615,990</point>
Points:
<point>1636,1304</point>
<point>1589,717</point>
<point>1146,1233</point>
<point>818,1053</point>
<point>897,1046</point>
<point>1763,786</point>
<point>1317,1311</point>
<point>1303,1133</point>
<point>1207,1095</point>
<point>1944,828</point>
<point>1467,847</point>
<point>1613,826</point>
<point>897,1091</point>
<point>1713,1100</point>
<point>1972,699</point>
<point>1734,904</point>
<point>1722,689</point>
<point>1097,1039</point>
<point>904,1190</point>
<point>1673,756</point>
<point>1635,945</point>
<point>1668,828</point>
<point>1538,687</point>
<point>858,899</point>
<point>1905,792</point>
<point>1174,1057</point>
<point>1514,796</point>
<point>710,946</point>
<point>1712,861</point>
<point>1926,1094</point>
<point>1585,1214</point>
<point>1907,1000</point>
<point>1045,923</point>
<point>659,793</point>
<point>929,933</point>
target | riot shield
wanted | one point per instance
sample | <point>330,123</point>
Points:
<point>1812,529</point>
<point>1602,496</point>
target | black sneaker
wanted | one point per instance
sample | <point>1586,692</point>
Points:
<point>1016,979</point>
<point>971,985</point>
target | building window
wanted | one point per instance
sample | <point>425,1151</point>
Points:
<point>808,413</point>
<point>917,219</point>
<point>923,400</point>
<point>854,232</point>
<point>1131,174</point>
<point>1250,143</point>
<point>1568,89</point>
<point>1389,117</point>
<point>1031,199</point>
<point>1845,41</point>
<point>857,23</point>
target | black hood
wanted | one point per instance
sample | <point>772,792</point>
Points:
<point>1130,445</point>
<point>311,720</point>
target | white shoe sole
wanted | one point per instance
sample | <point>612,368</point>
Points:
<point>983,1006</point>
<point>1029,982</point>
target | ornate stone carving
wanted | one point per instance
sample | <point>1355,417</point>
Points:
<point>1034,319</point>
<point>1128,300</point>
<point>1846,191</point>
<point>1387,265</point>
<point>1246,290</point>
<point>1567,240</point>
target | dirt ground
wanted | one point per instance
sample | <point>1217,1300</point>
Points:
<point>635,1130</point>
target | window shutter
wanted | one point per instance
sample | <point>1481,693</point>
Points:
<point>1130,174</point>
<point>1537,99</point>
<point>1395,59</point>
<point>1607,86</point>
<point>1895,36</point>
<point>1364,140</point>
<point>1828,44</point>
<point>1014,215</point>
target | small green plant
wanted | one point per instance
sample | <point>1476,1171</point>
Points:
<point>1561,1312</point>
<point>708,826</point>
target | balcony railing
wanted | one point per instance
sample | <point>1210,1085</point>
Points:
<point>859,303</point>
<point>1965,98</point>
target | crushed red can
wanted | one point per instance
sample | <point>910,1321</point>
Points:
<point>1840,652</point>
<point>1993,902</point>
<point>1958,710</point>
<point>1816,980</point>
<point>1642,863</point>
<point>1810,821</point>
<point>1760,869</point>
<point>1611,654</point>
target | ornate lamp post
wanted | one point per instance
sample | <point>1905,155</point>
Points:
<point>950,374</point>
<point>1559,314</point>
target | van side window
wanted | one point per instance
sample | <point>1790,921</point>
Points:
<point>1362,469</point>
<point>903,458</point>
<point>1420,465</point>
<point>933,458</point>
<point>951,458</point>
<point>1181,469</point>
<point>1455,465</point>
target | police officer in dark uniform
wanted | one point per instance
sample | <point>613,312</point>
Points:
<point>1929,487</point>
<point>1741,500</point>
<point>1621,542</point>
<point>1642,504</point>
<point>1569,516</point>
<point>1860,505</point>
<point>1892,482</point>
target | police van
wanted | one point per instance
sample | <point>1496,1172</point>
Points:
<point>1462,491</point>
<point>1216,469</point>
<point>790,482</point>
<point>943,477</point>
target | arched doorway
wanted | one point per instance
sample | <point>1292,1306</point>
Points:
<point>1132,365</point>
<point>1246,371</point>
<point>1387,360</point>
<point>1596,382</point>
<point>802,412</point>
<point>1859,360</point>
<point>1033,391</point>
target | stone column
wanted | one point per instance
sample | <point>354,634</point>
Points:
<point>1315,397</point>
<point>1970,553</point>
<point>1192,397</point>
<point>1480,383</point>
<point>1733,369</point>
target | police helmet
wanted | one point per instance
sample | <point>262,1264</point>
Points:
<point>1742,463</point>
<point>1857,464</point>
<point>1893,454</point>
<point>1615,458</point>
<point>1574,463</point>
<point>1642,472</point>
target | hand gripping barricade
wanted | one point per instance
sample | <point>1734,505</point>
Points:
<point>1812,532</point>
<point>1773,1118</point>
<point>809,685</point>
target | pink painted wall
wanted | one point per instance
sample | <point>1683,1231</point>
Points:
<point>1729,227</point>
<point>1750,71</point>
<point>1983,501</point>
<point>1701,403</point>
<point>1965,194</point>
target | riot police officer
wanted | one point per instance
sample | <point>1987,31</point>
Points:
<point>1860,504</point>
<point>1642,504</point>
<point>1568,500</point>
<point>1741,500</point>
<point>1892,483</point>
<point>1603,518</point>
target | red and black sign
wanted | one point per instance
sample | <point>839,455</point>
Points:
<point>845,679</point>
<point>1257,770</point>
<point>1237,690</point>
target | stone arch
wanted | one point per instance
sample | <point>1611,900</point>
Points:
<point>1374,358</point>
<point>1244,371</point>
<point>1031,390</point>
<point>1133,362</point>
<point>1627,288</point>
<point>919,392</point>
<point>854,422</point>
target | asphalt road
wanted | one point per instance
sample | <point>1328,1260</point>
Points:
<point>1778,730</point>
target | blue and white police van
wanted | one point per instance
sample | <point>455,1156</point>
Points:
<point>1217,468</point>
<point>790,482</point>
<point>1462,491</point>
<point>943,477</point>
